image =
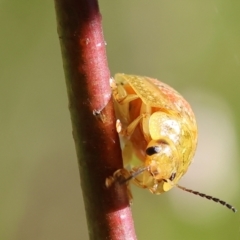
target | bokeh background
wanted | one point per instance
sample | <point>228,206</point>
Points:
<point>192,45</point>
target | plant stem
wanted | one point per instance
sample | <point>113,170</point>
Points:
<point>93,121</point>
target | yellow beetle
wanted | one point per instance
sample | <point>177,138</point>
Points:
<point>157,125</point>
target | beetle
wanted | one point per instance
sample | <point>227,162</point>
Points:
<point>157,125</point>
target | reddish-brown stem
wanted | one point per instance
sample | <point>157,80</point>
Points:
<point>93,122</point>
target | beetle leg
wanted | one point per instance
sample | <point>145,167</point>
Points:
<point>120,95</point>
<point>143,118</point>
<point>147,111</point>
<point>127,132</point>
<point>120,177</point>
<point>122,99</point>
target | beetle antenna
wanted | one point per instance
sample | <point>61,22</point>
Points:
<point>217,200</point>
<point>134,174</point>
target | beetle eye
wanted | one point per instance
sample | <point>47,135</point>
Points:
<point>172,176</point>
<point>152,150</point>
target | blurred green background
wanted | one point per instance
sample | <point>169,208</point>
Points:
<point>192,45</point>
